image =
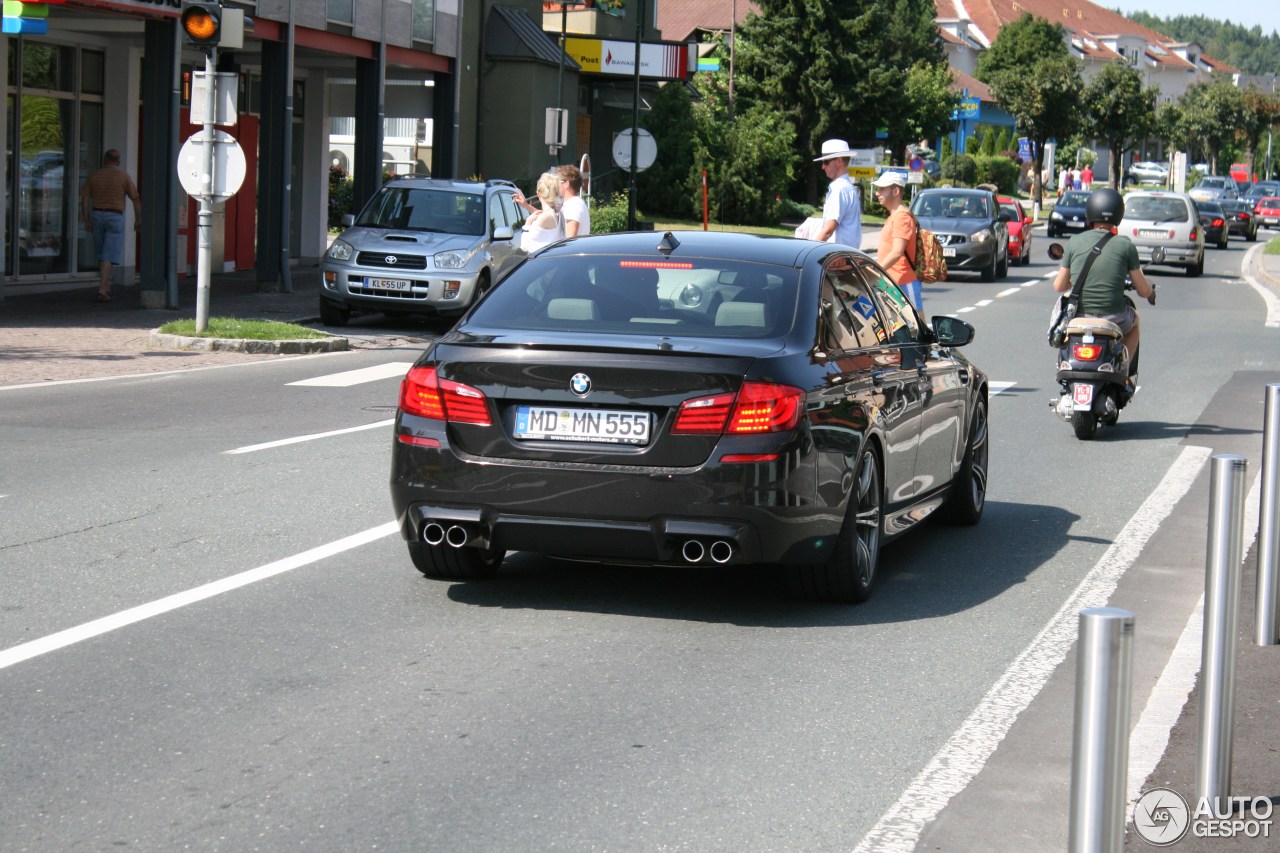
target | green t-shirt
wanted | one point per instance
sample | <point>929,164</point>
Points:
<point>1103,292</point>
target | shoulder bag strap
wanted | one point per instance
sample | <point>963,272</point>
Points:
<point>1088,263</point>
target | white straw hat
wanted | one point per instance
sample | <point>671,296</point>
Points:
<point>833,148</point>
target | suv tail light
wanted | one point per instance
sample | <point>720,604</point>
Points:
<point>424,394</point>
<point>758,407</point>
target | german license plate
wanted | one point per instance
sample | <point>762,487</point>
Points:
<point>388,283</point>
<point>1082,396</point>
<point>599,426</point>
<point>1152,232</point>
<point>1074,224</point>
<point>948,253</point>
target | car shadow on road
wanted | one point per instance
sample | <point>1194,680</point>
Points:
<point>1162,430</point>
<point>936,571</point>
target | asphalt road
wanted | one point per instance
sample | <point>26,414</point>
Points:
<point>278,676</point>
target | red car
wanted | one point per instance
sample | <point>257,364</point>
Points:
<point>1267,212</point>
<point>1020,222</point>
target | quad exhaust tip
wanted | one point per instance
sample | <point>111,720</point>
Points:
<point>433,533</point>
<point>457,536</point>
<point>720,551</point>
<point>693,551</point>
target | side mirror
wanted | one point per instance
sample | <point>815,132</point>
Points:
<point>1056,251</point>
<point>348,220</point>
<point>503,232</point>
<point>952,331</point>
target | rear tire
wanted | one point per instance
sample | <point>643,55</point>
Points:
<point>1196,269</point>
<point>1252,236</point>
<point>969,489</point>
<point>849,574</point>
<point>446,563</point>
<point>333,314</point>
<point>1085,425</point>
<point>1222,244</point>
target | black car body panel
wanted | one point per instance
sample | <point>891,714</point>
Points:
<point>818,321</point>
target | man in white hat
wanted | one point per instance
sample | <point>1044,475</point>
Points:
<point>898,237</point>
<point>842,211</point>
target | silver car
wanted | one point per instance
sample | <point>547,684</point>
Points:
<point>424,247</point>
<point>1168,220</point>
<point>1214,188</point>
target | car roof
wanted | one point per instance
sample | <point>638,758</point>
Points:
<point>476,187</point>
<point>757,248</point>
<point>953,191</point>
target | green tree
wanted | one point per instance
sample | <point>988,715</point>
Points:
<point>1120,112</point>
<point>664,186</point>
<point>1211,113</point>
<point>1033,77</point>
<point>931,101</point>
<point>1262,111</point>
<point>835,67</point>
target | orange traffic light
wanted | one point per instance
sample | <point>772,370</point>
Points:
<point>202,24</point>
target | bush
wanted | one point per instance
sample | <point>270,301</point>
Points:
<point>609,214</point>
<point>998,170</point>
<point>962,169</point>
<point>341,189</point>
<point>796,211</point>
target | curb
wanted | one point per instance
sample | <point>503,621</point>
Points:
<point>161,340</point>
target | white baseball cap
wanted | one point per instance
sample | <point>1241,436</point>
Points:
<point>889,179</point>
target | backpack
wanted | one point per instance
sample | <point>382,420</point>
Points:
<point>930,266</point>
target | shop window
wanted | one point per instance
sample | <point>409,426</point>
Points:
<point>424,20</point>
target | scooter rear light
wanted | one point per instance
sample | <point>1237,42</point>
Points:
<point>1086,352</point>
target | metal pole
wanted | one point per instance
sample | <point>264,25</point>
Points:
<point>286,142</point>
<point>1100,738</point>
<point>635,122</point>
<point>1267,601</point>
<point>564,23</point>
<point>1221,611</point>
<point>204,219</point>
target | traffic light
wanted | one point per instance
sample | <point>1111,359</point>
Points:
<point>202,24</point>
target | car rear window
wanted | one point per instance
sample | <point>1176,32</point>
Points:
<point>1269,202</point>
<point>644,296</point>
<point>1156,209</point>
<point>422,209</point>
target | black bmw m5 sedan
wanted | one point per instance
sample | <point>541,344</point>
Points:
<point>690,398</point>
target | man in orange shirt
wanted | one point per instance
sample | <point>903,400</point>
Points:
<point>898,237</point>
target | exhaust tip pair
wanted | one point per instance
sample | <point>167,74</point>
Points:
<point>455,535</point>
<point>694,551</point>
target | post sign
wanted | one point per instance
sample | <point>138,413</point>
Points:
<point>658,60</point>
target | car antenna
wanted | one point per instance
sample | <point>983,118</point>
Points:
<point>668,244</point>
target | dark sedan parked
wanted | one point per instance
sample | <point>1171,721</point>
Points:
<point>1213,219</point>
<point>1240,218</point>
<point>967,223</point>
<point>690,399</point>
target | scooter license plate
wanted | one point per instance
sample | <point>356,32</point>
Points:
<point>1082,396</point>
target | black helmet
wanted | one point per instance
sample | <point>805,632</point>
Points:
<point>1105,205</point>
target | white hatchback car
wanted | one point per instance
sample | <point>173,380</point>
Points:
<point>1168,220</point>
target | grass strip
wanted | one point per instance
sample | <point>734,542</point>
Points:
<point>242,329</point>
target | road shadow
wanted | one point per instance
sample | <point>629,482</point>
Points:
<point>1127,430</point>
<point>937,570</point>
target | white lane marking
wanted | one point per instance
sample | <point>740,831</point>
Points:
<point>276,360</point>
<point>266,445</point>
<point>1150,737</point>
<point>1032,283</point>
<point>996,387</point>
<point>983,303</point>
<point>1008,292</point>
<point>965,310</point>
<point>98,627</point>
<point>355,377</point>
<point>1268,298</point>
<point>967,750</point>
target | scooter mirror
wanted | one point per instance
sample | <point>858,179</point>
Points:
<point>1157,255</point>
<point>1056,251</point>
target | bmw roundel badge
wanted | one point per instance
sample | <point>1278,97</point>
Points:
<point>580,384</point>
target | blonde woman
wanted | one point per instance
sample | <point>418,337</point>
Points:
<point>545,226</point>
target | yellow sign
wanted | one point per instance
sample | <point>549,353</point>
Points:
<point>862,171</point>
<point>586,52</point>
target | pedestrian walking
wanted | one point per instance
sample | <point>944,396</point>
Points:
<point>842,210</point>
<point>1086,178</point>
<point>102,207</point>
<point>1075,179</point>
<point>1064,181</point>
<point>898,237</point>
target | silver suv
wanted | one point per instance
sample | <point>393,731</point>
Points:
<point>422,246</point>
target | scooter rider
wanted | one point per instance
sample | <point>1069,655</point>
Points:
<point>1102,294</point>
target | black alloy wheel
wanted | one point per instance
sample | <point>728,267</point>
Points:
<point>969,489</point>
<point>849,574</point>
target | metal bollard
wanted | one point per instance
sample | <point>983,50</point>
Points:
<point>1221,614</point>
<point>1267,594</point>
<point>1100,738</point>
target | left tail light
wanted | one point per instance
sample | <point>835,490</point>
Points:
<point>424,394</point>
<point>758,407</point>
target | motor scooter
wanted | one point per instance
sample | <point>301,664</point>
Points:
<point>1093,367</point>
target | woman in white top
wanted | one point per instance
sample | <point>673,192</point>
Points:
<point>545,226</point>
